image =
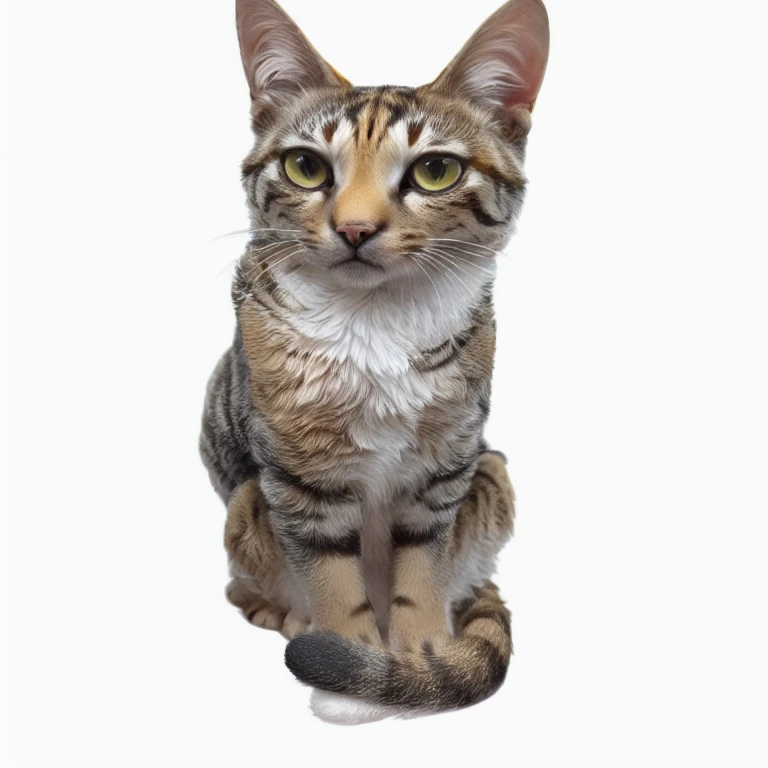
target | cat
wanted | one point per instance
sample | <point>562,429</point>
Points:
<point>344,427</point>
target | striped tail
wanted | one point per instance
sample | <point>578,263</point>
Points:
<point>469,669</point>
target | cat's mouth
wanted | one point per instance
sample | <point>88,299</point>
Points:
<point>356,260</point>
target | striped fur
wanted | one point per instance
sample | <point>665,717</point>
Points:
<point>343,428</point>
<point>464,672</point>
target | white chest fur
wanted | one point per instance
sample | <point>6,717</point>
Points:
<point>372,336</point>
<point>380,330</point>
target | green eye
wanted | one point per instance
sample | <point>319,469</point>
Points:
<point>436,173</point>
<point>305,170</point>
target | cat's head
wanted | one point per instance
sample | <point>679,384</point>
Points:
<point>371,185</point>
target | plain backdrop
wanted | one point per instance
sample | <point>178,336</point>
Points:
<point>630,391</point>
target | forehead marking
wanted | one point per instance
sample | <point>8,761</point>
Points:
<point>414,131</point>
<point>329,129</point>
<point>373,115</point>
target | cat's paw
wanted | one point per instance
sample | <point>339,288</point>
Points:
<point>255,609</point>
<point>267,617</point>
<point>411,637</point>
<point>294,625</point>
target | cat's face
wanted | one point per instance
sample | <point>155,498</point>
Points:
<point>376,181</point>
<point>364,186</point>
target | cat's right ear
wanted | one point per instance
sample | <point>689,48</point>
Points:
<point>279,61</point>
<point>502,65</point>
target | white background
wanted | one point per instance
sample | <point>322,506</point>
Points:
<point>629,393</point>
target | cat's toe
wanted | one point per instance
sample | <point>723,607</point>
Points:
<point>267,617</point>
<point>294,625</point>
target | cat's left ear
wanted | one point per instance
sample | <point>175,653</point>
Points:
<point>502,65</point>
<point>278,59</point>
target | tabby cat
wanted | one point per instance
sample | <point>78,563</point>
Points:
<point>344,427</point>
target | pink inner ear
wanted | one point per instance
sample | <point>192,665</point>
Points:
<point>529,61</point>
<point>276,55</point>
<point>503,63</point>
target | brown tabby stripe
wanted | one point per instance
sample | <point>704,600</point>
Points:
<point>365,607</point>
<point>461,673</point>
<point>405,536</point>
<point>318,544</point>
<point>414,132</point>
<point>329,129</point>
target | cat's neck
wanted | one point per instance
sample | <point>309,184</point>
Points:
<point>380,330</point>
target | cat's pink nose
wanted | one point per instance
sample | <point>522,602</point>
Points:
<point>356,231</point>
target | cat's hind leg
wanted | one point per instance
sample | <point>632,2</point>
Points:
<point>262,587</point>
<point>438,564</point>
<point>483,525</point>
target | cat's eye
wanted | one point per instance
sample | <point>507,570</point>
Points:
<point>435,173</point>
<point>305,169</point>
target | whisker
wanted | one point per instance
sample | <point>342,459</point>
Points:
<point>432,262</point>
<point>259,267</point>
<point>437,293</point>
<point>479,255</point>
<point>257,250</point>
<point>272,229</point>
<point>487,271</point>
<point>470,293</point>
<point>237,232</point>
<point>227,266</point>
<point>224,237</point>
<point>283,257</point>
<point>270,245</point>
<point>277,263</point>
<point>452,276</point>
<point>452,256</point>
<point>279,249</point>
<point>409,286</point>
<point>466,242</point>
<point>413,303</point>
<point>282,246</point>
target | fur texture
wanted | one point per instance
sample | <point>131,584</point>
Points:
<point>343,428</point>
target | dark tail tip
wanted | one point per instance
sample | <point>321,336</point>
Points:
<point>326,660</point>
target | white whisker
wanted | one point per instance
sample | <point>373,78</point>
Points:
<point>257,250</point>
<point>227,266</point>
<point>444,244</point>
<point>410,289</point>
<point>479,267</point>
<point>451,256</point>
<point>237,232</point>
<point>277,263</point>
<point>437,293</point>
<point>265,257</point>
<point>270,245</point>
<point>452,276</point>
<point>466,242</point>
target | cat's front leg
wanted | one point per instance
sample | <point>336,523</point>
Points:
<point>446,542</point>
<point>421,541</point>
<point>319,529</point>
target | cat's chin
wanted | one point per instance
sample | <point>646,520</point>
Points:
<point>356,271</point>
<point>351,273</point>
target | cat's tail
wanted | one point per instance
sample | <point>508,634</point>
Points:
<point>468,669</point>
